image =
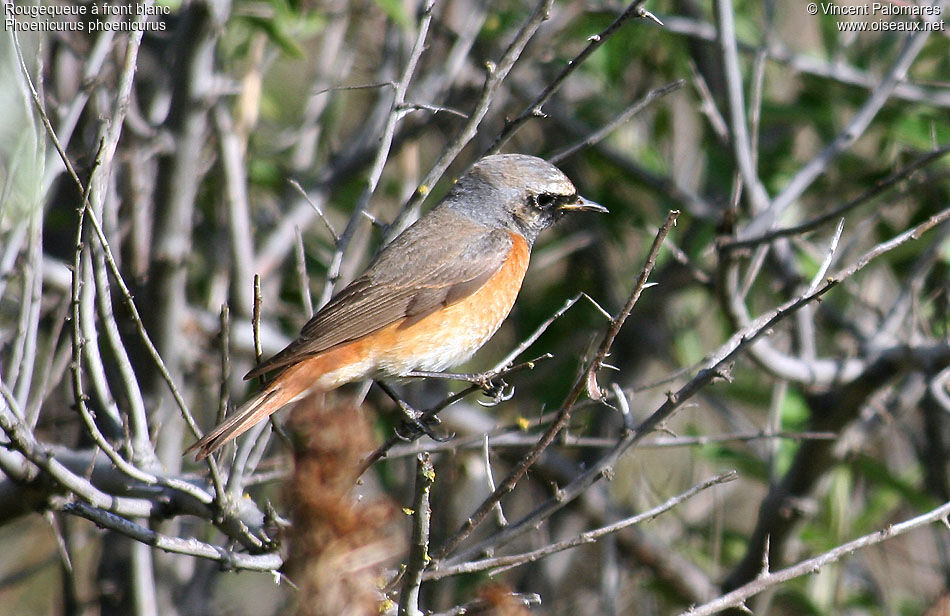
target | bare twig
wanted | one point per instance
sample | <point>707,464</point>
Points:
<point>490,478</point>
<point>479,382</point>
<point>622,118</point>
<point>23,360</point>
<point>666,186</point>
<point>238,208</point>
<point>316,208</point>
<point>229,559</point>
<point>107,150</point>
<point>855,128</point>
<point>509,359</point>
<point>878,188</point>
<point>142,450</point>
<point>499,564</point>
<point>826,371</point>
<point>301,260</point>
<point>829,257</point>
<point>483,606</point>
<point>419,544</point>
<point>582,383</point>
<point>511,438</point>
<point>708,104</point>
<point>534,110</point>
<point>715,367</point>
<point>396,113</point>
<point>23,440</point>
<point>836,69</point>
<point>496,76</point>
<point>740,140</point>
<point>812,565</point>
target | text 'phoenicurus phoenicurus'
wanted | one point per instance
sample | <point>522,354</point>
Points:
<point>430,299</point>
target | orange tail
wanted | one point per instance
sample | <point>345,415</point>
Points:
<point>253,411</point>
<point>265,403</point>
<point>293,381</point>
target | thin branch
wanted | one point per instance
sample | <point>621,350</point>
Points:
<point>419,544</point>
<point>714,368</point>
<point>741,144</point>
<point>396,113</point>
<point>666,187</point>
<point>708,105</point>
<point>826,371</point>
<point>622,118</point>
<point>87,212</point>
<point>582,383</point>
<point>434,109</point>
<point>855,128</point>
<point>300,259</point>
<point>809,225</point>
<point>513,438</point>
<point>834,70</point>
<point>829,257</point>
<point>484,606</point>
<point>242,462</point>
<point>812,565</point>
<point>534,110</point>
<point>238,207</point>
<point>364,86</point>
<point>22,439</point>
<point>278,242</point>
<point>230,560</point>
<point>509,359</point>
<point>23,360</point>
<point>427,417</point>
<point>913,233</point>
<point>142,450</point>
<point>500,564</point>
<point>490,478</point>
<point>316,208</point>
<point>496,76</point>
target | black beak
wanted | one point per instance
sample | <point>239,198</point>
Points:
<point>583,205</point>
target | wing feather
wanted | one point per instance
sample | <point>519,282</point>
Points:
<point>413,276</point>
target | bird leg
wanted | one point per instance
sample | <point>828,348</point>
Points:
<point>491,383</point>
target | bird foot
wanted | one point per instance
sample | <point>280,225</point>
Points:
<point>415,426</point>
<point>494,387</point>
<point>491,384</point>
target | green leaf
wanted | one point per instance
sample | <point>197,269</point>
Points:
<point>395,11</point>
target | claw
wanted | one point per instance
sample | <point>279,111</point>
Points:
<point>498,391</point>
<point>414,427</point>
<point>440,439</point>
<point>407,432</point>
<point>427,425</point>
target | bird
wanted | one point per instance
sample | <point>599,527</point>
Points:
<point>429,299</point>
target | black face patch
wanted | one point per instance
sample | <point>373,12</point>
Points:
<point>549,201</point>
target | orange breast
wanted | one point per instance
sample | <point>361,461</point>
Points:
<point>449,336</point>
<point>443,339</point>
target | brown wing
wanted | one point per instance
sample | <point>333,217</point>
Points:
<point>413,276</point>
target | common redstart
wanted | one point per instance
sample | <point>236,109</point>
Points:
<point>430,299</point>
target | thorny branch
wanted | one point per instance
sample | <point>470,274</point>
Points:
<point>535,108</point>
<point>503,563</point>
<point>715,368</point>
<point>587,380</point>
<point>768,579</point>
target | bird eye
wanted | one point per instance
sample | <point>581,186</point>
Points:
<point>545,200</point>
